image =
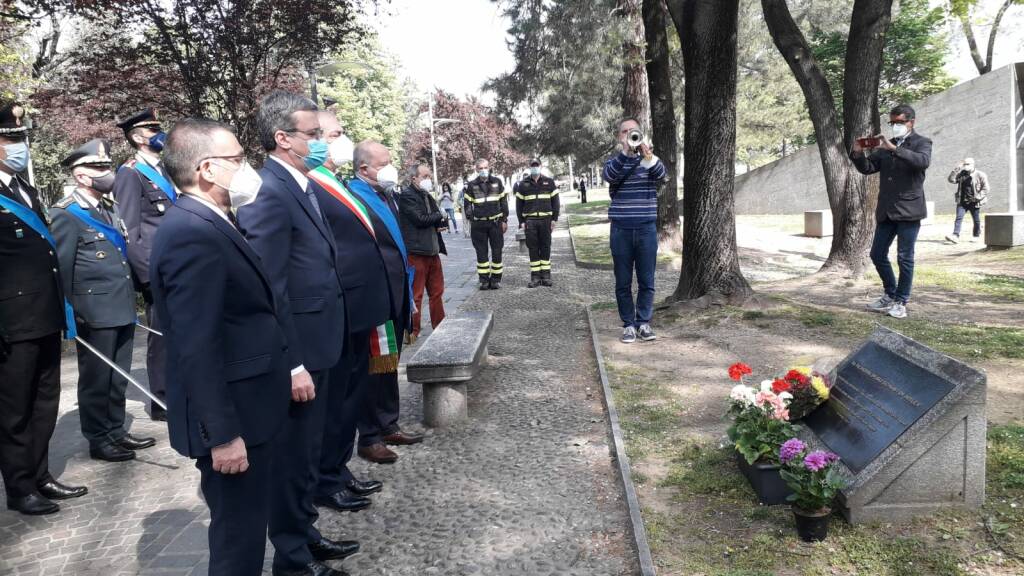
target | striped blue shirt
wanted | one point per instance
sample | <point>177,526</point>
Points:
<point>636,202</point>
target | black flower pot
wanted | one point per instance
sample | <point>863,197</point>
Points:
<point>766,481</point>
<point>812,526</point>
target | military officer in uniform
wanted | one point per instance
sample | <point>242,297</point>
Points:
<point>144,193</point>
<point>486,204</point>
<point>93,258</point>
<point>32,316</point>
<point>537,209</point>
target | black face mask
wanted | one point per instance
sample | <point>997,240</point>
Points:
<point>103,184</point>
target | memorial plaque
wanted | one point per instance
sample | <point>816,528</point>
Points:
<point>876,397</point>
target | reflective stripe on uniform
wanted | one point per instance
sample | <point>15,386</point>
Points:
<point>538,214</point>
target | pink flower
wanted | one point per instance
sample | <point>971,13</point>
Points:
<point>819,459</point>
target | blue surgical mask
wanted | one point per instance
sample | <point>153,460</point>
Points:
<point>534,170</point>
<point>484,173</point>
<point>17,156</point>
<point>318,152</point>
<point>156,141</point>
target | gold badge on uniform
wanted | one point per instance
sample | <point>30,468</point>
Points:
<point>101,254</point>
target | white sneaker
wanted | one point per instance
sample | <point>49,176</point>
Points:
<point>953,238</point>
<point>645,333</point>
<point>898,310</point>
<point>881,305</point>
<point>975,239</point>
<point>628,335</point>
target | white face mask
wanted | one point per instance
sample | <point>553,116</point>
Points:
<point>535,171</point>
<point>387,177</point>
<point>341,150</point>
<point>484,173</point>
<point>427,185</point>
<point>244,187</point>
<point>900,130</point>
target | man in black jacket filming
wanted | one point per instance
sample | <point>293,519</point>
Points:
<point>901,163</point>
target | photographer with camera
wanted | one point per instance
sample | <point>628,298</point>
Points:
<point>971,195</point>
<point>901,163</point>
<point>633,175</point>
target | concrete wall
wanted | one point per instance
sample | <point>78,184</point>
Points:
<point>978,118</point>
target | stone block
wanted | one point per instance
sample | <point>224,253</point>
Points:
<point>910,425</point>
<point>1004,230</point>
<point>930,218</point>
<point>818,223</point>
<point>444,404</point>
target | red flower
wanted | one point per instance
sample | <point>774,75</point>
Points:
<point>797,377</point>
<point>780,386</point>
<point>737,370</point>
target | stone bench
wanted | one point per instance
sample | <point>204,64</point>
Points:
<point>521,238</point>
<point>452,355</point>
<point>1004,230</point>
<point>817,223</point>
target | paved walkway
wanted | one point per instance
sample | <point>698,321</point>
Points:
<point>526,487</point>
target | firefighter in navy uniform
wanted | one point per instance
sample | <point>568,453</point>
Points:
<point>537,208</point>
<point>32,316</point>
<point>486,205</point>
<point>144,194</point>
<point>92,253</point>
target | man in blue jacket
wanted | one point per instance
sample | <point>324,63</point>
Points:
<point>901,164</point>
<point>227,376</point>
<point>286,227</point>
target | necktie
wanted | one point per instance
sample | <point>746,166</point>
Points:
<point>312,200</point>
<point>17,194</point>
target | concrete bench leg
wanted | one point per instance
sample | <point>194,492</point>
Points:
<point>444,404</point>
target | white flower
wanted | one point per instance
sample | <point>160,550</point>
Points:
<point>786,397</point>
<point>742,393</point>
<point>766,386</point>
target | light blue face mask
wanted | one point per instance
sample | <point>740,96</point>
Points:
<point>318,152</point>
<point>17,156</point>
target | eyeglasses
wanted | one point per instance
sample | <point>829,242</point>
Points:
<point>238,158</point>
<point>315,134</point>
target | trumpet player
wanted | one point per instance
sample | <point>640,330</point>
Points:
<point>633,175</point>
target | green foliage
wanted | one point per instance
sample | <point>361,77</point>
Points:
<point>371,102</point>
<point>916,47</point>
<point>756,434</point>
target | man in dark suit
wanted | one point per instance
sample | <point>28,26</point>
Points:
<point>368,307</point>
<point>901,163</point>
<point>286,227</point>
<point>33,313</point>
<point>228,382</point>
<point>144,194</point>
<point>92,252</point>
<point>378,424</point>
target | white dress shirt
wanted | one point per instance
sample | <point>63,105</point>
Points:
<point>6,179</point>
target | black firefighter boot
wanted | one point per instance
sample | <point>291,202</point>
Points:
<point>545,278</point>
<point>535,280</point>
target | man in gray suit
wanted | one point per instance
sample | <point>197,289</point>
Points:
<point>93,260</point>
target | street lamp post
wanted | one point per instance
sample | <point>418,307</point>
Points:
<point>433,142</point>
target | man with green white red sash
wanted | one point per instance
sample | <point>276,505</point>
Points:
<point>378,424</point>
<point>93,256</point>
<point>144,193</point>
<point>33,312</point>
<point>367,308</point>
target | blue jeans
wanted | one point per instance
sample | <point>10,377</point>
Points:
<point>905,234</point>
<point>634,249</point>
<point>961,210</point>
<point>451,219</point>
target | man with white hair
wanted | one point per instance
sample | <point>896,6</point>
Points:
<point>971,194</point>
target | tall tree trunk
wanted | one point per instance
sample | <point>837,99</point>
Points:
<point>636,101</point>
<point>983,63</point>
<point>707,30</point>
<point>663,114</point>
<point>848,191</point>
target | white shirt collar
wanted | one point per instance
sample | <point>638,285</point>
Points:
<point>148,159</point>
<point>300,178</point>
<point>216,209</point>
<point>6,179</point>
<point>89,199</point>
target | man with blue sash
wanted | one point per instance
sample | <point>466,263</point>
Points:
<point>144,194</point>
<point>93,257</point>
<point>375,179</point>
<point>33,313</point>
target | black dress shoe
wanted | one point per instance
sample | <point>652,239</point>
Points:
<point>360,488</point>
<point>33,505</point>
<point>157,413</point>
<point>343,501</point>
<point>327,549</point>
<point>130,442</point>
<point>56,491</point>
<point>111,453</point>
<point>313,569</point>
